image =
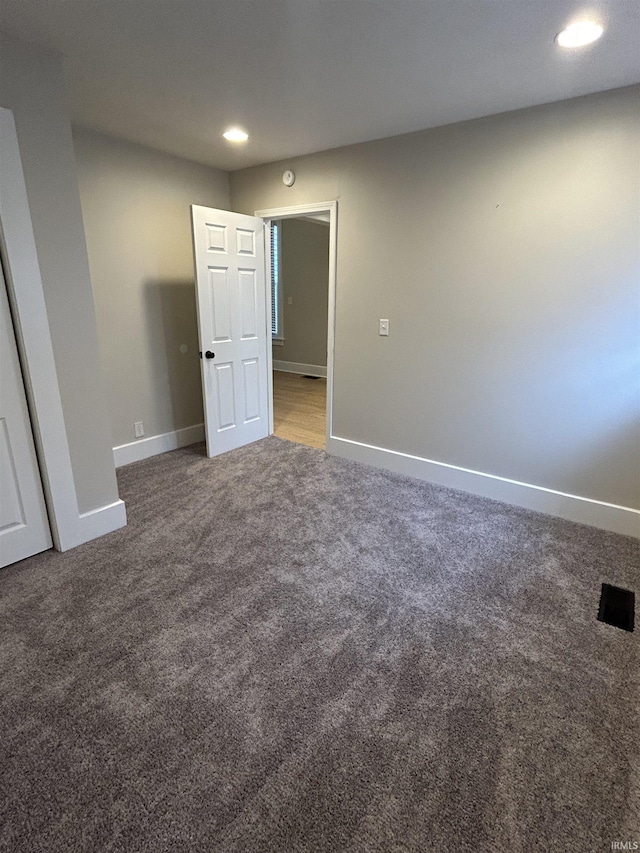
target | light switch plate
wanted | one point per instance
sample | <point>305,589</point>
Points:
<point>384,327</point>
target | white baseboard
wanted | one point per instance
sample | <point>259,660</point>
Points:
<point>124,454</point>
<point>297,367</point>
<point>97,522</point>
<point>618,519</point>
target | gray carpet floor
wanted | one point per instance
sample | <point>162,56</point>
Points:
<point>288,652</point>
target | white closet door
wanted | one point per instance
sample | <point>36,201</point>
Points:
<point>24,525</point>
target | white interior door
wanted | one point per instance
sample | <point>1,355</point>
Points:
<point>232,324</point>
<point>24,525</point>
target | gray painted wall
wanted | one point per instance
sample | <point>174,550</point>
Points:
<point>32,86</point>
<point>135,203</point>
<point>506,254</point>
<point>305,279</point>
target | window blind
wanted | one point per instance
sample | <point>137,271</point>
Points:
<point>275,279</point>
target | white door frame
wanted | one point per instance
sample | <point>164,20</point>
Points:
<point>330,207</point>
<point>69,527</point>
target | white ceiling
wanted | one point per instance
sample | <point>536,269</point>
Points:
<point>307,75</point>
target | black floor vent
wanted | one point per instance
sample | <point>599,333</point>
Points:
<point>617,607</point>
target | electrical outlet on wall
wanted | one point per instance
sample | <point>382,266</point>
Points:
<point>138,428</point>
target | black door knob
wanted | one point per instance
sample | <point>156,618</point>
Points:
<point>209,354</point>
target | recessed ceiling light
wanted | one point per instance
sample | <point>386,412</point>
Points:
<point>235,135</point>
<point>577,35</point>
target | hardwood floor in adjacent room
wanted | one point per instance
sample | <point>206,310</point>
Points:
<point>300,408</point>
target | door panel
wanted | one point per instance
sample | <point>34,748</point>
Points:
<point>246,242</point>
<point>232,323</point>
<point>251,384</point>
<point>11,509</point>
<point>249,304</point>
<point>24,525</point>
<point>226,395</point>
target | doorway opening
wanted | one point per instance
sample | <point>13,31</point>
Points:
<point>235,320</point>
<point>299,316</point>
<point>301,246</point>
